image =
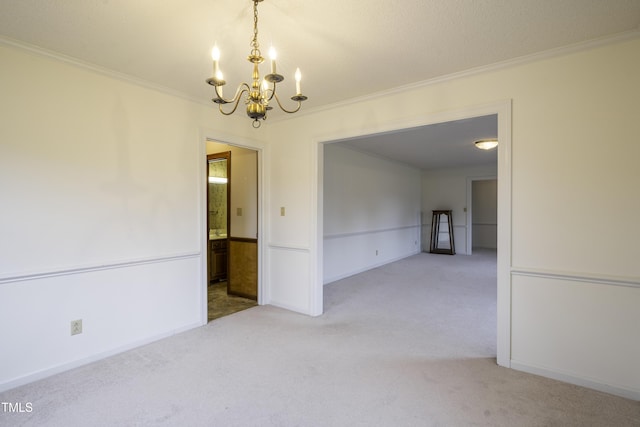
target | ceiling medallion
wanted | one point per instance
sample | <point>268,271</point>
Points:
<point>261,91</point>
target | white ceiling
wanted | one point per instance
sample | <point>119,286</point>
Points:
<point>437,146</point>
<point>345,48</point>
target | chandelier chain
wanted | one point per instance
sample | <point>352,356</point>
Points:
<point>254,42</point>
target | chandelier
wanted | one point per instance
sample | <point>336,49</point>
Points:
<point>259,93</point>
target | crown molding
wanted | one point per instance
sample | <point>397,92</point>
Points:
<point>552,53</point>
<point>522,60</point>
<point>56,56</point>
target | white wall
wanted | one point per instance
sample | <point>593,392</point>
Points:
<point>572,160</point>
<point>371,211</point>
<point>484,224</point>
<point>101,146</point>
<point>102,214</point>
<point>290,255</point>
<point>446,189</point>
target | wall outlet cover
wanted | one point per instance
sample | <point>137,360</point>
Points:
<point>76,327</point>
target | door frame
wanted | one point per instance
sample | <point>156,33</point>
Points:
<point>500,108</point>
<point>216,136</point>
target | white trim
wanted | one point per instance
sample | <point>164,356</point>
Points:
<point>580,381</point>
<point>369,267</point>
<point>289,307</point>
<point>469,213</point>
<point>26,379</point>
<point>509,63</point>
<point>416,120</point>
<point>316,290</point>
<point>365,232</point>
<point>632,282</point>
<point>503,110</point>
<point>317,217</point>
<point>97,267</point>
<point>232,140</point>
<point>522,60</point>
<point>285,247</point>
<point>262,288</point>
<point>504,234</point>
<point>50,54</point>
<point>202,218</point>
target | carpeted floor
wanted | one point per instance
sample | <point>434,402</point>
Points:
<point>221,304</point>
<point>407,344</point>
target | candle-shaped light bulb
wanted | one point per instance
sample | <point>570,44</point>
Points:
<point>265,85</point>
<point>298,78</point>
<point>215,55</point>
<point>273,55</point>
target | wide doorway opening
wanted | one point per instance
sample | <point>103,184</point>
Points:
<point>388,226</point>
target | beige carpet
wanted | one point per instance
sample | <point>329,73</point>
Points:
<point>408,344</point>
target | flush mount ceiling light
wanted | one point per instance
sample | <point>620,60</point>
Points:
<point>486,144</point>
<point>260,92</point>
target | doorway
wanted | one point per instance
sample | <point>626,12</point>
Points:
<point>482,213</point>
<point>502,111</point>
<point>232,223</point>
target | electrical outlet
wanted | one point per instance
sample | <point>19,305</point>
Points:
<point>76,327</point>
<point>282,211</point>
<point>376,252</point>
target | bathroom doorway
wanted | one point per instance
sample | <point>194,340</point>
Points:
<point>482,213</point>
<point>232,220</point>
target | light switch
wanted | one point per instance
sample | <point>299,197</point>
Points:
<point>239,211</point>
<point>282,211</point>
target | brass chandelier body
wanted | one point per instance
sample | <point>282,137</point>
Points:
<point>259,93</point>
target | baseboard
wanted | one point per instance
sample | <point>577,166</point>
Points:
<point>572,379</point>
<point>367,268</point>
<point>306,311</point>
<point>45,373</point>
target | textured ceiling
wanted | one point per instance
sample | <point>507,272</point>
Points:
<point>437,146</point>
<point>345,48</point>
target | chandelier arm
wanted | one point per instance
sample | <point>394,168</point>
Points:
<point>284,109</point>
<point>273,93</point>
<point>235,100</point>
<point>241,88</point>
